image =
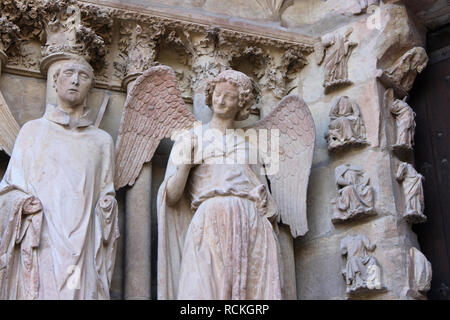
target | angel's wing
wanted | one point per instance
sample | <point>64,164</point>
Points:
<point>9,128</point>
<point>289,183</point>
<point>154,109</point>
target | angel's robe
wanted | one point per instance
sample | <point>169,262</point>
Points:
<point>218,241</point>
<point>67,250</point>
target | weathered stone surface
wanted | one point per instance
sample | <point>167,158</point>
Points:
<point>199,39</point>
<point>420,273</point>
<point>355,198</point>
<point>60,177</point>
<point>320,259</point>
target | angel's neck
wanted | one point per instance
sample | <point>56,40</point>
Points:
<point>221,124</point>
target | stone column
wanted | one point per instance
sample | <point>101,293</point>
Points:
<point>137,273</point>
<point>138,44</point>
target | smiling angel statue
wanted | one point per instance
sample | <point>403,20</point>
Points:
<point>224,189</point>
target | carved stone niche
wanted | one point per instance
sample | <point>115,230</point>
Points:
<point>401,75</point>
<point>336,58</point>
<point>356,196</point>
<point>419,275</point>
<point>346,125</point>
<point>362,273</point>
<point>411,182</point>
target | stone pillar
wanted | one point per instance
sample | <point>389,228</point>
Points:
<point>138,42</point>
<point>138,47</point>
<point>137,273</point>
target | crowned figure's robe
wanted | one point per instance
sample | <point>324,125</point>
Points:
<point>66,250</point>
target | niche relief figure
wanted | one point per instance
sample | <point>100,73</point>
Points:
<point>346,125</point>
<point>356,196</point>
<point>217,219</point>
<point>420,274</point>
<point>404,118</point>
<point>401,75</point>
<point>336,59</point>
<point>362,271</point>
<point>411,182</point>
<point>58,222</point>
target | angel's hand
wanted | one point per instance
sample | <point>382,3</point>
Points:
<point>188,144</point>
<point>32,205</point>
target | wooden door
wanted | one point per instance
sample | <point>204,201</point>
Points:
<point>430,100</point>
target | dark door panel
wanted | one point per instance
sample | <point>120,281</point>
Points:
<point>430,100</point>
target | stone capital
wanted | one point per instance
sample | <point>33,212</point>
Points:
<point>129,79</point>
<point>138,47</point>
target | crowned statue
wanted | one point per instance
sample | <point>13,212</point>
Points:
<point>58,214</point>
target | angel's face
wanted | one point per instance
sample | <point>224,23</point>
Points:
<point>73,83</point>
<point>225,100</point>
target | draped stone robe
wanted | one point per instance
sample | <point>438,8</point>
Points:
<point>67,250</point>
<point>218,241</point>
<point>404,117</point>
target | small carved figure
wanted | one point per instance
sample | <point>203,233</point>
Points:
<point>346,126</point>
<point>405,69</point>
<point>361,271</point>
<point>356,196</point>
<point>411,182</point>
<point>58,221</point>
<point>404,118</point>
<point>336,60</point>
<point>217,230</point>
<point>420,274</point>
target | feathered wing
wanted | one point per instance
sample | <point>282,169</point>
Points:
<point>296,138</point>
<point>154,109</point>
<point>9,128</point>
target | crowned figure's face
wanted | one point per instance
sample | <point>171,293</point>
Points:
<point>225,100</point>
<point>73,83</point>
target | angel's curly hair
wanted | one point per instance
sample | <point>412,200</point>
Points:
<point>244,85</point>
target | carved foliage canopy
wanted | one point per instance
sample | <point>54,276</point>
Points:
<point>121,42</point>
